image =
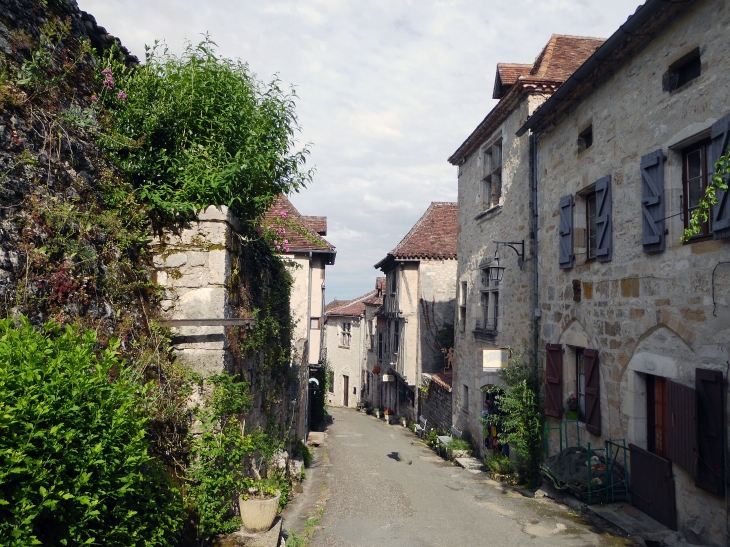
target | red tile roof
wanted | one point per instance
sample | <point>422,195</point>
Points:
<point>560,57</point>
<point>318,224</point>
<point>308,239</point>
<point>444,379</point>
<point>349,308</point>
<point>433,236</point>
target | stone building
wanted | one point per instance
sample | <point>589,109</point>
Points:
<point>308,253</point>
<point>347,341</point>
<point>495,214</point>
<point>375,343</point>
<point>419,298</point>
<point>632,320</point>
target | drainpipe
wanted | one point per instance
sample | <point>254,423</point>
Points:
<point>536,276</point>
<point>309,308</point>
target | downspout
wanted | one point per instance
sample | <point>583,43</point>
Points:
<point>309,306</point>
<point>536,274</point>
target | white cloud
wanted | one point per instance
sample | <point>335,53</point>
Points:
<point>388,90</point>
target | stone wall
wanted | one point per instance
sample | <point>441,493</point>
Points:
<point>646,314</point>
<point>436,407</point>
<point>437,291</point>
<point>510,220</point>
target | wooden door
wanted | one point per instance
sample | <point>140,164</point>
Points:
<point>346,386</point>
<point>652,486</point>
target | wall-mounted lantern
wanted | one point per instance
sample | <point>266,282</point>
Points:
<point>496,273</point>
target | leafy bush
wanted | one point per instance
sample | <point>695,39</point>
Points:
<point>303,451</point>
<point>74,462</point>
<point>459,444</point>
<point>498,463</point>
<point>432,438</point>
<point>200,130</point>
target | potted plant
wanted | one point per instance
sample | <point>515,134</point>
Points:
<point>389,415</point>
<point>572,407</point>
<point>378,412</point>
<point>376,370</point>
<point>404,421</point>
<point>259,505</point>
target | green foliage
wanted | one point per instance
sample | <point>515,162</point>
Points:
<point>74,462</point>
<point>498,463</point>
<point>445,335</point>
<point>460,444</point>
<point>432,438</point>
<point>306,454</point>
<point>199,130</point>
<point>701,214</point>
<point>519,416</point>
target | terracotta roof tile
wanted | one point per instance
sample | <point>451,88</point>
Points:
<point>562,55</point>
<point>507,75</point>
<point>444,379</point>
<point>350,308</point>
<point>433,236</point>
<point>298,242</point>
<point>318,224</point>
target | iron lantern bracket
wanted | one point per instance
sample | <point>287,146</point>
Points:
<point>514,246</point>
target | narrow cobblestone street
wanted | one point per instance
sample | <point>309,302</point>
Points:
<point>383,486</point>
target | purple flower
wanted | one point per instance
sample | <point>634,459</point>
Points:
<point>94,99</point>
<point>107,72</point>
<point>122,96</point>
<point>108,83</point>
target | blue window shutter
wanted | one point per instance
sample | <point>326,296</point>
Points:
<point>565,256</point>
<point>721,210</point>
<point>652,202</point>
<point>604,223</point>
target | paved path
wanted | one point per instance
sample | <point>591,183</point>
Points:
<point>376,498</point>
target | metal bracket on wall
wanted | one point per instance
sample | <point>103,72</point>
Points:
<point>513,245</point>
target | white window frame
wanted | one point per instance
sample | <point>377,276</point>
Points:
<point>489,304</point>
<point>491,184</point>
<point>345,334</point>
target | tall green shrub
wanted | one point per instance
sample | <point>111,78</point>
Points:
<point>198,130</point>
<point>74,462</point>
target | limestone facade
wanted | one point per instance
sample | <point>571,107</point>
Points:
<point>651,316</point>
<point>419,297</point>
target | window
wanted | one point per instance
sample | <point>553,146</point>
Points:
<point>380,346</point>
<point>656,411</point>
<point>345,334</point>
<point>585,138</point>
<point>396,336</point>
<point>694,182</point>
<point>331,381</point>
<point>489,296</point>
<point>465,398</point>
<point>580,382</point>
<point>462,306</point>
<point>492,175</point>
<point>591,225</point>
<point>371,335</point>
<point>393,282</point>
<point>314,323</point>
<point>683,71</point>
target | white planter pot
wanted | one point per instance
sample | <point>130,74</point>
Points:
<point>258,515</point>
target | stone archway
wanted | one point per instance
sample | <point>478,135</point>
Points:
<point>659,352</point>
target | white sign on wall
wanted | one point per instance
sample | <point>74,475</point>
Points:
<point>494,358</point>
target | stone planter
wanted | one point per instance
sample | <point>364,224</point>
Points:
<point>460,454</point>
<point>258,515</point>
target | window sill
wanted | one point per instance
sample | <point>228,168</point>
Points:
<point>488,334</point>
<point>344,347</point>
<point>489,213</point>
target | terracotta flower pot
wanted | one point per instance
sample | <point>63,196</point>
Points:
<point>376,370</point>
<point>258,515</point>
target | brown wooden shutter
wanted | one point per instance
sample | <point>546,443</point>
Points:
<point>604,222</point>
<point>710,431</point>
<point>554,381</point>
<point>682,426</point>
<point>652,202</point>
<point>593,391</point>
<point>720,212</point>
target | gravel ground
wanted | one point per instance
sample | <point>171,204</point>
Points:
<point>384,487</point>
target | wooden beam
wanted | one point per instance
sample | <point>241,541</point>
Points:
<point>237,322</point>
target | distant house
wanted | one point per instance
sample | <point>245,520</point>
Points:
<point>348,340</point>
<point>419,298</point>
<point>309,253</point>
<point>496,204</point>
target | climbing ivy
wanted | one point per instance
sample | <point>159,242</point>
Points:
<point>719,182</point>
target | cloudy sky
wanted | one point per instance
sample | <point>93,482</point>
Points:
<point>388,89</point>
